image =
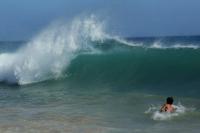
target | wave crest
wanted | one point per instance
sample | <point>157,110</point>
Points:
<point>48,54</point>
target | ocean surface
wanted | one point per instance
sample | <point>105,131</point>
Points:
<point>76,78</point>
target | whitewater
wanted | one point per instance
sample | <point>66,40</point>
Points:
<point>48,54</point>
<point>77,77</point>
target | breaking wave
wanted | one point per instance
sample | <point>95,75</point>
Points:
<point>48,54</point>
<point>51,52</point>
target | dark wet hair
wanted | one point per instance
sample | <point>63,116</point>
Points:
<point>170,100</point>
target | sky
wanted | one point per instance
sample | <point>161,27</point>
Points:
<point>23,19</point>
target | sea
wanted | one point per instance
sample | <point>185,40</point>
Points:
<point>77,78</point>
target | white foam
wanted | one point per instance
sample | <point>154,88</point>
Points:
<point>156,45</point>
<point>157,115</point>
<point>121,40</point>
<point>159,45</point>
<point>178,46</point>
<point>48,54</point>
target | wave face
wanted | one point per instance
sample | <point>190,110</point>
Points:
<point>82,52</point>
<point>138,66</point>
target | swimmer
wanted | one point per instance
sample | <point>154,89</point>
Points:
<point>168,106</point>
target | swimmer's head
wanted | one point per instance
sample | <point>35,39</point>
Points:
<point>170,100</point>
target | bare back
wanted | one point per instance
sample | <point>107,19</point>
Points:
<point>167,108</point>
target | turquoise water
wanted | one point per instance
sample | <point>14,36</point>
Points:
<point>83,80</point>
<point>54,107</point>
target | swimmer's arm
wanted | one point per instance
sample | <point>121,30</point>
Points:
<point>162,109</point>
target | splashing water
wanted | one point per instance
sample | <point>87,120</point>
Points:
<point>157,115</point>
<point>50,52</point>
